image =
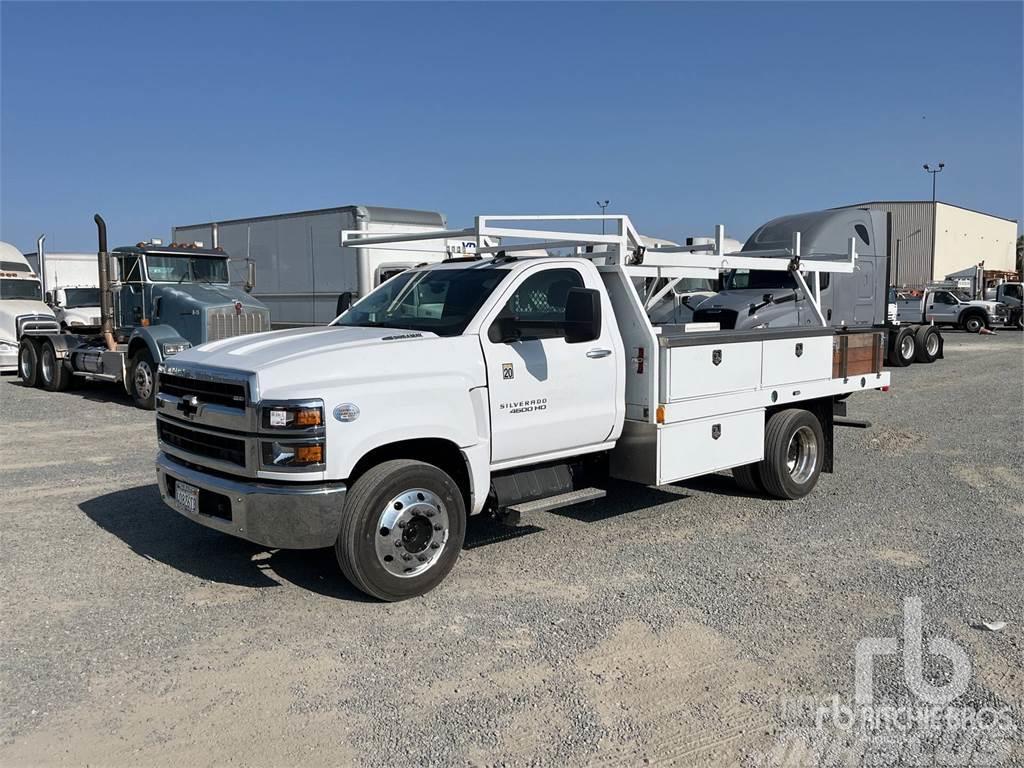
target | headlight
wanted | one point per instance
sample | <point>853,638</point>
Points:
<point>174,347</point>
<point>292,454</point>
<point>307,415</point>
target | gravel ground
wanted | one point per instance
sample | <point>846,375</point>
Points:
<point>686,625</point>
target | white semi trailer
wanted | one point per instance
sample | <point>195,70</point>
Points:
<point>71,287</point>
<point>297,265</point>
<point>504,384</point>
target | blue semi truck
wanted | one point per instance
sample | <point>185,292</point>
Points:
<point>155,301</point>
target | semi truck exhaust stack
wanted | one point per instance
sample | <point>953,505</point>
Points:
<point>106,297</point>
<point>41,257</point>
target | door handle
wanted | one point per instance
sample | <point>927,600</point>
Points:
<point>597,353</point>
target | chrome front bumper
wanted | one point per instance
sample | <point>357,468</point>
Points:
<point>285,516</point>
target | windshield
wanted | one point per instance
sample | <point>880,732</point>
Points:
<point>81,297</point>
<point>20,289</point>
<point>440,301</point>
<point>165,268</point>
<point>759,279</point>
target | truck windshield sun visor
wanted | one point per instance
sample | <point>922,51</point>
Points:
<point>440,301</point>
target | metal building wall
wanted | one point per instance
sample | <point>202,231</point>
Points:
<point>966,238</point>
<point>912,235</point>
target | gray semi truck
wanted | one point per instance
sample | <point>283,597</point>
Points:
<point>859,300</point>
<point>155,301</point>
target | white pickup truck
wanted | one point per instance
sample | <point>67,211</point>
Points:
<point>501,384</point>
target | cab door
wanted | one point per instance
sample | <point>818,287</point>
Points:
<point>547,395</point>
<point>942,307</point>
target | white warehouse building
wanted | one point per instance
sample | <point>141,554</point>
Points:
<point>963,238</point>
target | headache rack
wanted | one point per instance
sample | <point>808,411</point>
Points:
<point>623,249</point>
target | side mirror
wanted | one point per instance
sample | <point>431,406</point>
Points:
<point>50,298</point>
<point>582,315</point>
<point>344,302</point>
<point>768,298</point>
<point>250,276</point>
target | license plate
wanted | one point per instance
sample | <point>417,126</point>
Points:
<point>187,496</point>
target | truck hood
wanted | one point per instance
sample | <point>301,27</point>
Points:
<point>984,304</point>
<point>208,294</point>
<point>82,315</point>
<point>778,314</point>
<point>10,309</point>
<point>302,362</point>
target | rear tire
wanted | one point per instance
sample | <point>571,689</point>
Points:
<point>52,374</point>
<point>904,347</point>
<point>402,529</point>
<point>974,322</point>
<point>794,449</point>
<point>28,363</point>
<point>928,344</point>
<point>748,479</point>
<point>143,380</point>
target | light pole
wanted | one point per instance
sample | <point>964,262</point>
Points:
<point>934,172</point>
<point>935,219</point>
<point>603,205</point>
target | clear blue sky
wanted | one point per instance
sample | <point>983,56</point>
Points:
<point>684,115</point>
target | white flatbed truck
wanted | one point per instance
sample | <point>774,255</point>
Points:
<point>498,384</point>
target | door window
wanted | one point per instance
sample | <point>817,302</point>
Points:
<point>131,269</point>
<point>945,298</point>
<point>542,298</point>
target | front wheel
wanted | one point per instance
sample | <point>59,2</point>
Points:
<point>402,529</point>
<point>794,448</point>
<point>142,380</point>
<point>974,323</point>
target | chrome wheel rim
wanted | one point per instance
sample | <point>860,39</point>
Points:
<point>46,365</point>
<point>412,532</point>
<point>25,363</point>
<point>143,380</point>
<point>973,325</point>
<point>802,455</point>
<point>932,344</point>
<point>907,347</point>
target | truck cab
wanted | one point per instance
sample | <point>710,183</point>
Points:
<point>771,299</point>
<point>22,310</point>
<point>163,299</point>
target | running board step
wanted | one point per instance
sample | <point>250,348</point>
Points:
<point>559,501</point>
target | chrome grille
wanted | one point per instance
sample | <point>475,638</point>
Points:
<point>226,322</point>
<point>37,324</point>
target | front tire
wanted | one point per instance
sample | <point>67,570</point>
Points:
<point>142,380</point>
<point>28,363</point>
<point>402,529</point>
<point>974,323</point>
<point>794,448</point>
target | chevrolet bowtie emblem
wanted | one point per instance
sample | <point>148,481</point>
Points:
<point>189,405</point>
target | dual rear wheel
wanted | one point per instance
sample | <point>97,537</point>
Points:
<point>794,450</point>
<point>39,366</point>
